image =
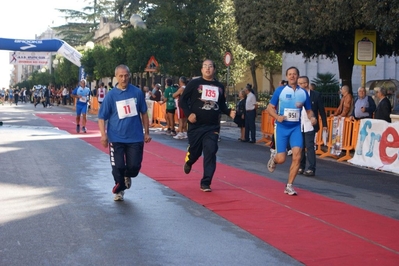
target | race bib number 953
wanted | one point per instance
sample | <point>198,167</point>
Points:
<point>126,108</point>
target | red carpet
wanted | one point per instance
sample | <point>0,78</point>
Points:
<point>311,228</point>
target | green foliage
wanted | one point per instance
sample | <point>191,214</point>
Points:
<point>317,28</point>
<point>66,73</point>
<point>41,78</point>
<point>326,82</point>
<point>117,55</point>
<point>89,63</point>
<point>272,63</point>
<point>141,44</point>
<point>194,20</point>
<point>180,34</point>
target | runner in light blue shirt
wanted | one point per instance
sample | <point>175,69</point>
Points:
<point>285,107</point>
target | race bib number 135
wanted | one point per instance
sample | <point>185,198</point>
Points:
<point>210,93</point>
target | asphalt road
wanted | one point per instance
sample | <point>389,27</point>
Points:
<point>57,208</point>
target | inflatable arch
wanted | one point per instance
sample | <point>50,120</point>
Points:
<point>46,45</point>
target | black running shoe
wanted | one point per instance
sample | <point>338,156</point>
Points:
<point>187,168</point>
<point>206,188</point>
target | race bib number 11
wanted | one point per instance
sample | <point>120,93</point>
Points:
<point>126,108</point>
<point>210,93</point>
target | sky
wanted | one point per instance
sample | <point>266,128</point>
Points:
<point>24,19</point>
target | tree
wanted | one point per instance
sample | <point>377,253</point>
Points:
<point>317,28</point>
<point>326,82</point>
<point>272,63</point>
<point>198,39</point>
<point>82,23</point>
<point>226,27</point>
<point>63,73</point>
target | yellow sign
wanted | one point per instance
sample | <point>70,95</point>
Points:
<point>365,47</point>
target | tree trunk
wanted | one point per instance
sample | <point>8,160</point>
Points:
<point>271,81</point>
<point>253,74</point>
<point>345,67</point>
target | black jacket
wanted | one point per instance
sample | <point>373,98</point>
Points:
<point>383,110</point>
<point>318,109</point>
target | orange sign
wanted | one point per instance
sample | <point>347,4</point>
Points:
<point>152,65</point>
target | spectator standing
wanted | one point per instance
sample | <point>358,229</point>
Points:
<point>16,95</point>
<point>180,114</point>
<point>202,101</point>
<point>65,93</point>
<point>81,93</point>
<point>345,107</point>
<point>101,92</point>
<point>170,107</point>
<point>125,110</point>
<point>10,95</point>
<point>2,95</point>
<point>239,119</point>
<point>46,95</point>
<point>364,105</point>
<point>308,130</point>
<point>250,115</point>
<point>146,92</point>
<point>384,107</point>
<point>110,86</point>
<point>156,93</point>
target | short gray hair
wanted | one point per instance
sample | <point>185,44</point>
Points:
<point>383,91</point>
<point>124,67</point>
<point>361,88</point>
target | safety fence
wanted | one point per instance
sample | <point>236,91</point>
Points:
<point>345,143</point>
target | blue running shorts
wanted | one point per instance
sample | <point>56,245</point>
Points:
<point>285,134</point>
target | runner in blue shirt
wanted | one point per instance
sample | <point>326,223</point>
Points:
<point>125,110</point>
<point>285,107</point>
<point>81,93</point>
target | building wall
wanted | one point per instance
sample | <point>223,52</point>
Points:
<point>263,83</point>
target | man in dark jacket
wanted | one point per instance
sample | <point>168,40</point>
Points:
<point>309,131</point>
<point>384,107</point>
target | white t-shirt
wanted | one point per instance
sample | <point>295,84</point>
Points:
<point>250,102</point>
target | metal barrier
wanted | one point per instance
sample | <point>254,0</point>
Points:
<point>349,135</point>
<point>266,127</point>
<point>94,106</point>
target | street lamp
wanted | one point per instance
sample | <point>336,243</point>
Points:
<point>55,63</point>
<point>89,45</point>
<point>137,22</point>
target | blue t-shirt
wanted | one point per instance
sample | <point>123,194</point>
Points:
<point>122,109</point>
<point>84,92</point>
<point>289,103</point>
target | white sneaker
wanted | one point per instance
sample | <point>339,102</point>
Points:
<point>271,165</point>
<point>185,135</point>
<point>179,136</point>
<point>119,196</point>
<point>289,153</point>
<point>128,182</point>
<point>289,190</point>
